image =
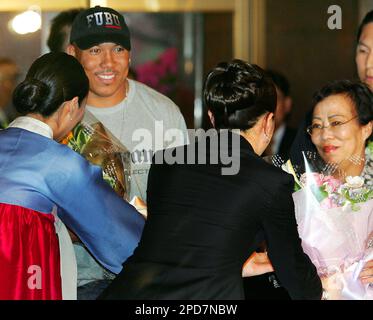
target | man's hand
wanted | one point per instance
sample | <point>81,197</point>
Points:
<point>257,264</point>
<point>366,275</point>
<point>140,206</point>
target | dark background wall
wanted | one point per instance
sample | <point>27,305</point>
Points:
<point>300,45</point>
<point>218,39</point>
<point>218,45</point>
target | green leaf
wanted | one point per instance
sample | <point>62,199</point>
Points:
<point>319,192</point>
<point>297,187</point>
<point>370,148</point>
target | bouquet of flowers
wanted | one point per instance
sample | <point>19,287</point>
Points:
<point>332,193</point>
<point>335,223</point>
<point>95,143</point>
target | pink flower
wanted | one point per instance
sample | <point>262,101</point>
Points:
<point>160,74</point>
<point>148,74</point>
<point>168,60</point>
<point>331,184</point>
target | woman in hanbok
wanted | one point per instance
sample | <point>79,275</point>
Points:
<point>42,181</point>
<point>334,208</point>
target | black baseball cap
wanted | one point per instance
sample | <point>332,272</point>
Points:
<point>97,25</point>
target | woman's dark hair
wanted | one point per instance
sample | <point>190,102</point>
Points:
<point>367,19</point>
<point>52,79</point>
<point>238,93</point>
<point>358,92</point>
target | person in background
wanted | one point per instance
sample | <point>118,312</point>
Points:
<point>43,181</point>
<point>138,116</point>
<point>364,50</point>
<point>60,28</point>
<point>284,134</point>
<point>364,63</point>
<point>8,78</point>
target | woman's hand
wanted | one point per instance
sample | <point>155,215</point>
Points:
<point>257,264</point>
<point>332,287</point>
<point>366,275</point>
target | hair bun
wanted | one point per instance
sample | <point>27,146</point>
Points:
<point>30,95</point>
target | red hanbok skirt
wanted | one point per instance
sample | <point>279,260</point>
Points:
<point>29,255</point>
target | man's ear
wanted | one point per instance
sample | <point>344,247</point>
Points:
<point>212,119</point>
<point>288,103</point>
<point>70,49</point>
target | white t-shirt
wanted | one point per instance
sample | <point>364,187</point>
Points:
<point>135,118</point>
<point>144,122</point>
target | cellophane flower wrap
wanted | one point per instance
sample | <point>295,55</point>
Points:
<point>96,144</point>
<point>335,222</point>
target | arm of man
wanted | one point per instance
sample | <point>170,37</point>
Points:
<point>292,266</point>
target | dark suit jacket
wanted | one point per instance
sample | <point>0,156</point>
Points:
<point>202,226</point>
<point>286,142</point>
<point>301,143</point>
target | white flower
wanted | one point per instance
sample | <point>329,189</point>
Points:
<point>354,182</point>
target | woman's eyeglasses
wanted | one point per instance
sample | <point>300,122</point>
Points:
<point>316,128</point>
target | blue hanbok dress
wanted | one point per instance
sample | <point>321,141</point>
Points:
<point>41,184</point>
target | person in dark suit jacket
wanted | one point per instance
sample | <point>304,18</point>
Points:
<point>207,215</point>
<point>284,134</point>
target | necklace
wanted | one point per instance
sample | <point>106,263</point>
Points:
<point>129,177</point>
<point>132,178</point>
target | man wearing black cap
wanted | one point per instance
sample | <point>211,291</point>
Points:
<point>135,114</point>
